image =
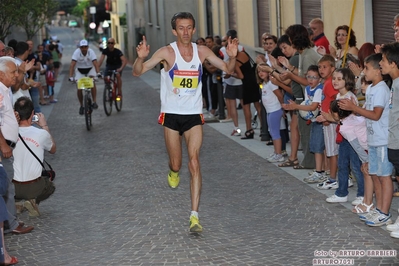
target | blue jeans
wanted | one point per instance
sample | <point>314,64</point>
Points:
<point>348,159</point>
<point>34,94</point>
<point>12,222</point>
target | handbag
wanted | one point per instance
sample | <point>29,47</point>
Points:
<point>46,173</point>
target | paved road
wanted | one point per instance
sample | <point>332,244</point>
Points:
<point>113,206</point>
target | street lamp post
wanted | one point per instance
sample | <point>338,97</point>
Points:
<point>93,23</point>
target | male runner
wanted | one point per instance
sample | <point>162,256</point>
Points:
<point>181,98</point>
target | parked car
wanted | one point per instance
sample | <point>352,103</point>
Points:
<point>72,23</point>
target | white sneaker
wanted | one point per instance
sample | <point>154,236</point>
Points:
<point>271,155</point>
<point>315,178</point>
<point>394,227</point>
<point>209,116</point>
<point>350,184</point>
<point>369,215</point>
<point>379,219</point>
<point>328,185</point>
<point>335,199</point>
<point>394,234</point>
<point>277,158</point>
<point>326,173</point>
<point>357,201</point>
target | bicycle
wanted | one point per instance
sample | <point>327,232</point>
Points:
<point>86,84</point>
<point>110,94</point>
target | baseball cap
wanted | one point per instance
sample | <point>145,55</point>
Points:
<point>83,43</point>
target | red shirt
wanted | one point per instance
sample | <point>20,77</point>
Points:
<point>321,40</point>
<point>329,93</point>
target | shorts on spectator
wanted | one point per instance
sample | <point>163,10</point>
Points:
<point>233,92</point>
<point>316,143</point>
<point>330,136</point>
<point>379,164</point>
<point>287,97</point>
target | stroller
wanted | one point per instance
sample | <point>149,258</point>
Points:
<point>254,122</point>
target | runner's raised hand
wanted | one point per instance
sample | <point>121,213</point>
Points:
<point>143,49</point>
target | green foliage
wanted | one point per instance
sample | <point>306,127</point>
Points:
<point>122,20</point>
<point>80,8</point>
<point>31,15</point>
<point>8,15</point>
<point>35,14</point>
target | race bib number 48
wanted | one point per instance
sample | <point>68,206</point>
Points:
<point>185,81</point>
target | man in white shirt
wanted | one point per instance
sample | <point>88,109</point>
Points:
<point>8,138</point>
<point>84,63</point>
<point>30,186</point>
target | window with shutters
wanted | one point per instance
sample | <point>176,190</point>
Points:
<point>383,13</point>
<point>263,19</point>
<point>232,9</point>
<point>310,9</point>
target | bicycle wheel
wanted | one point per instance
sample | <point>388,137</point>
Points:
<point>87,105</point>
<point>118,99</point>
<point>107,99</point>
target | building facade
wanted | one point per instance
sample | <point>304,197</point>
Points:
<point>372,19</point>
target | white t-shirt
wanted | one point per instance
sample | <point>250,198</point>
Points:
<point>377,131</point>
<point>269,98</point>
<point>60,47</point>
<point>8,124</point>
<point>84,61</point>
<point>26,166</point>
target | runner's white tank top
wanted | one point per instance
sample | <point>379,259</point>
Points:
<point>181,86</point>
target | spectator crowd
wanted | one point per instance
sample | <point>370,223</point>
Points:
<point>335,100</point>
<point>26,83</point>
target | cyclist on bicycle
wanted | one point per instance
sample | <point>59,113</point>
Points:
<point>84,62</point>
<point>115,61</point>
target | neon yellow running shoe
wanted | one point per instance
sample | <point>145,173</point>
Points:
<point>195,227</point>
<point>173,180</point>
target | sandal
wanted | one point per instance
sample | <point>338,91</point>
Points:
<point>249,134</point>
<point>269,143</point>
<point>358,208</point>
<point>299,167</point>
<point>289,163</point>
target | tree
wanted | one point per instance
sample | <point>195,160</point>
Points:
<point>34,14</point>
<point>8,17</point>
<point>80,8</point>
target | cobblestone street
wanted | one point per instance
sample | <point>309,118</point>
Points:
<point>113,206</point>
